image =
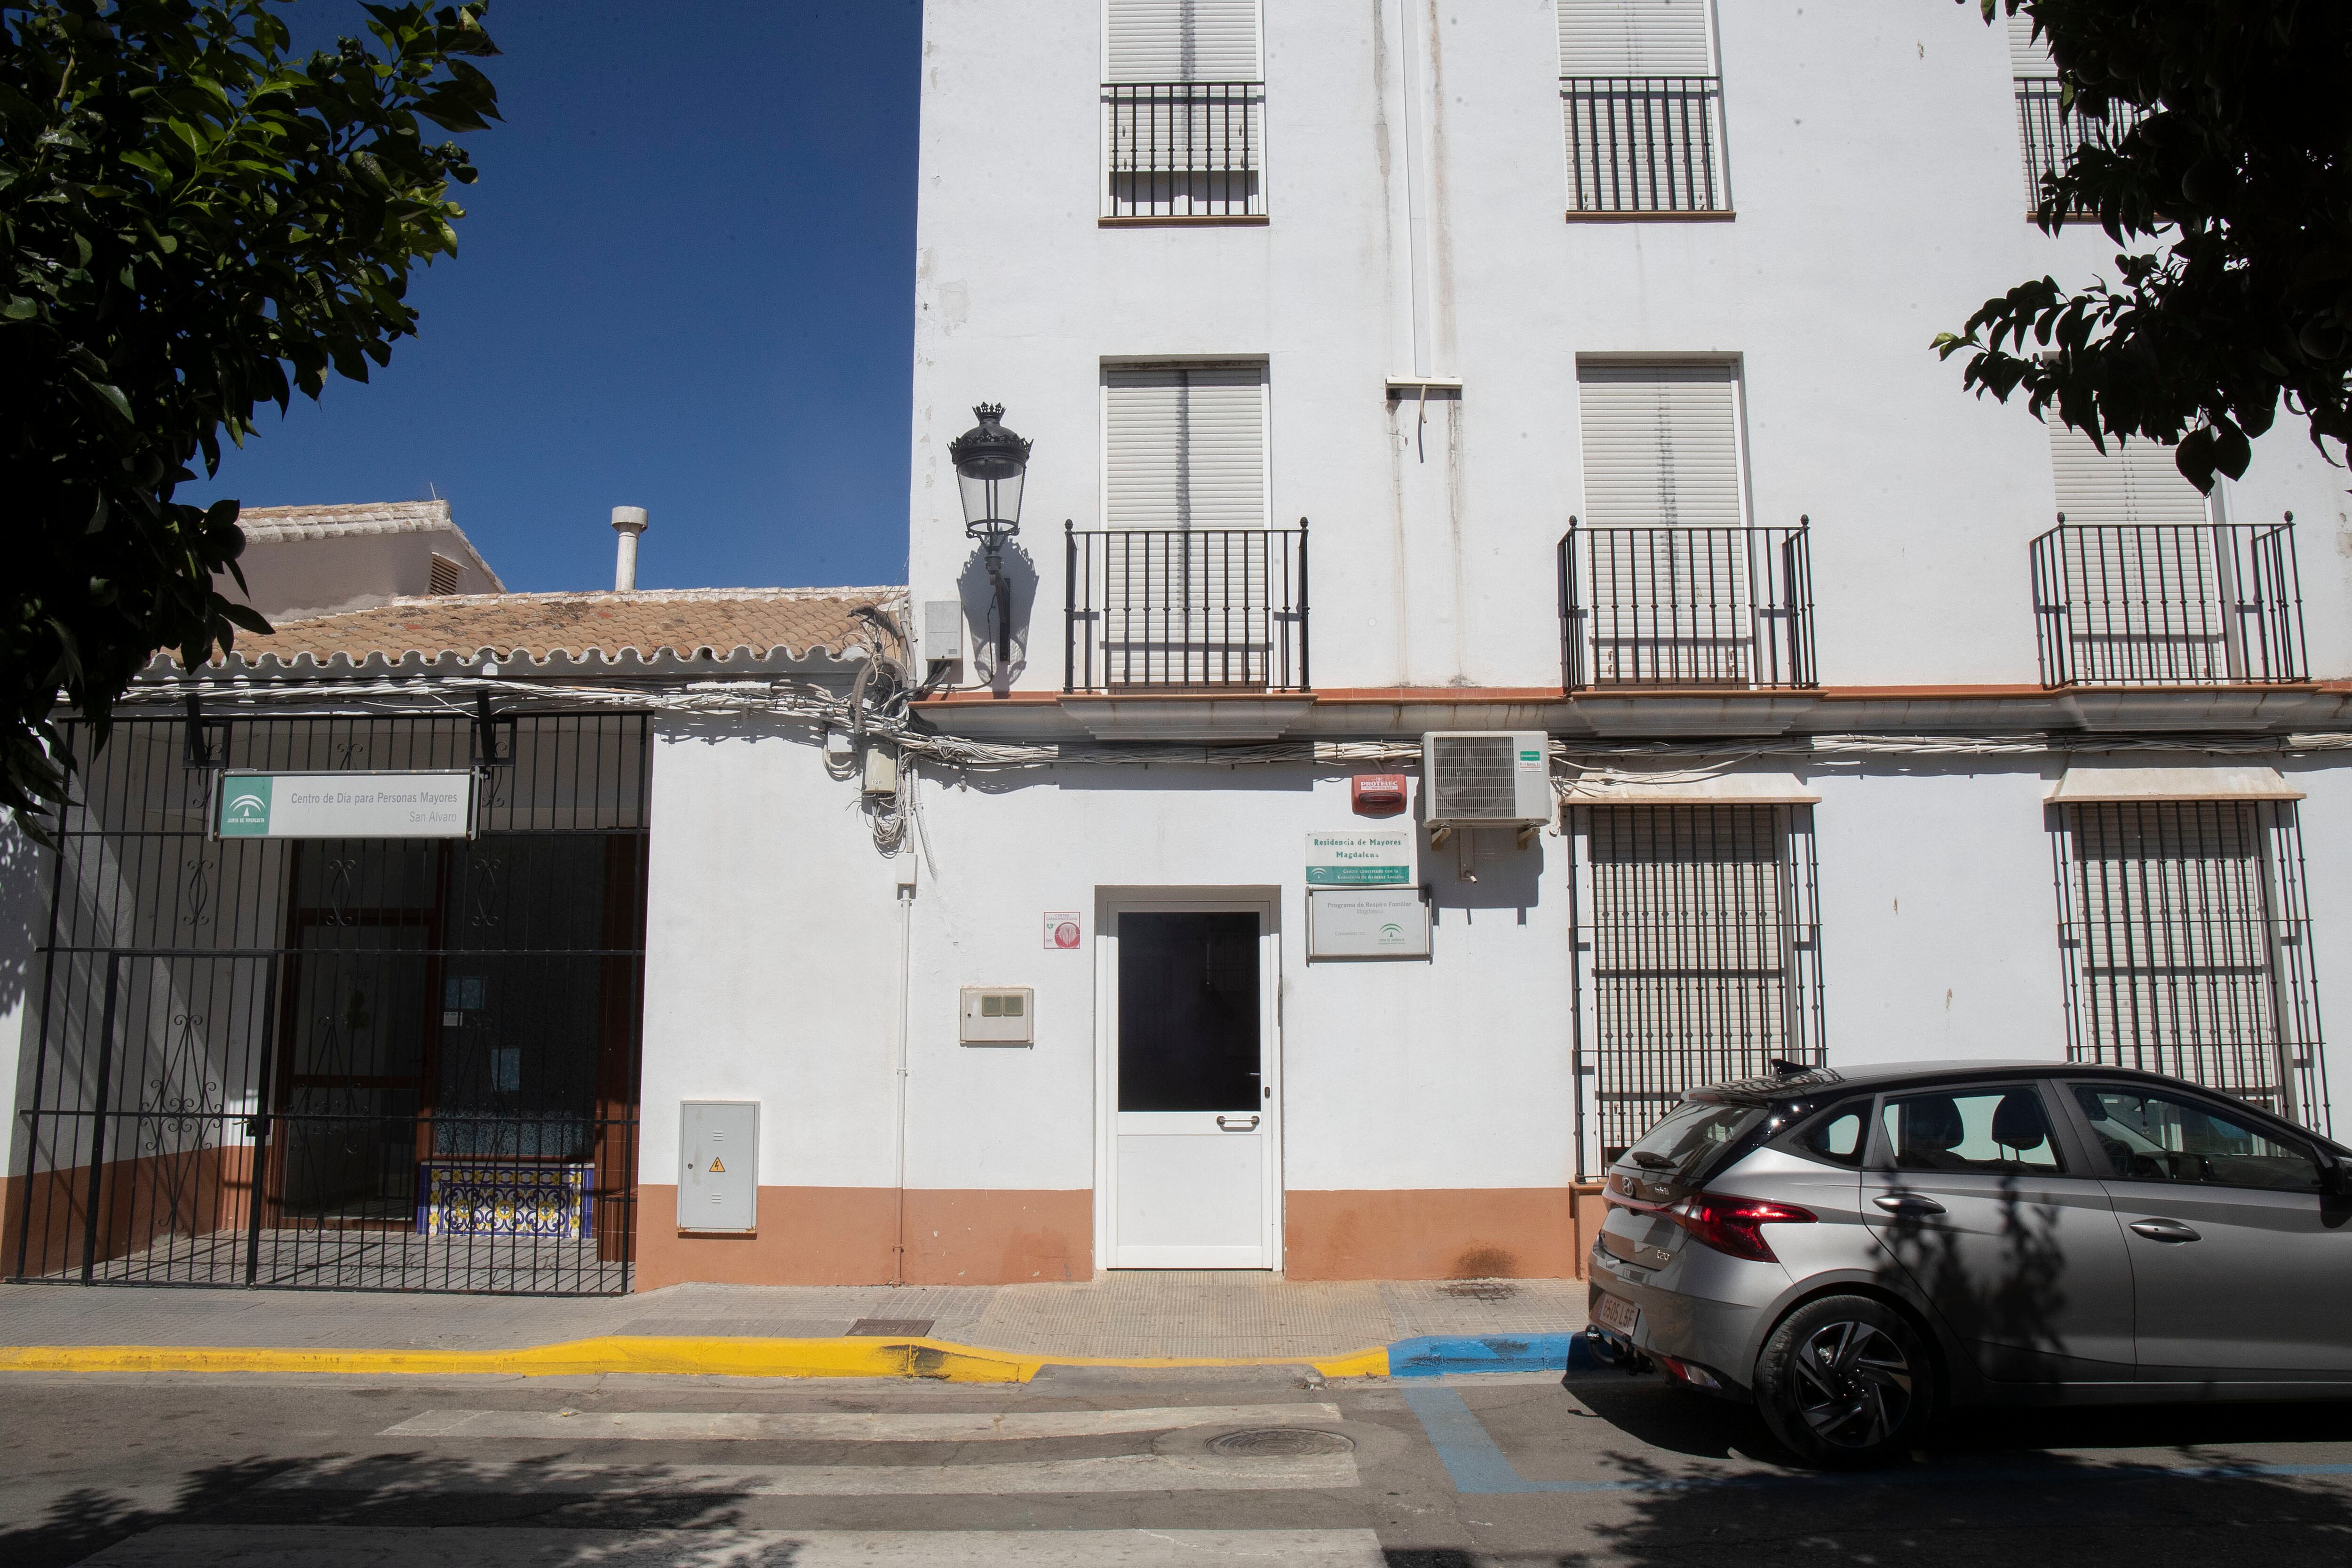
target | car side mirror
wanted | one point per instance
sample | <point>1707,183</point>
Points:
<point>2335,1179</point>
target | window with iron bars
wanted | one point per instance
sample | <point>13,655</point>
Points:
<point>1644,145</point>
<point>2186,942</point>
<point>1704,955</point>
<point>2050,129</point>
<point>1183,150</point>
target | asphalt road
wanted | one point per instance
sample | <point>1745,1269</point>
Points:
<point>1128,1469</point>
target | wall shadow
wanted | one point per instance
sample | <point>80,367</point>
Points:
<point>979,610</point>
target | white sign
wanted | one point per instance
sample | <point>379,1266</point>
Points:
<point>1062,930</point>
<point>1366,923</point>
<point>1360,858</point>
<point>344,806</point>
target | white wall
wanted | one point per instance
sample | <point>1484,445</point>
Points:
<point>772,961</point>
<point>295,579</point>
<point>1881,197</point>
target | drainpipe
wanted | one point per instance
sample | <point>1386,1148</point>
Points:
<point>898,1139</point>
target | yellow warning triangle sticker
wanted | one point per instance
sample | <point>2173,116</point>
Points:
<point>718,1167</point>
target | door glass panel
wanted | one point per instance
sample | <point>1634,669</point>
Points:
<point>2162,1138</point>
<point>1188,1011</point>
<point>1995,1132</point>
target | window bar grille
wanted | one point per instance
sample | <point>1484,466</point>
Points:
<point>2185,935</point>
<point>1686,606</point>
<point>1183,150</point>
<point>2050,129</point>
<point>1704,956</point>
<point>1644,143</point>
<point>2168,604</point>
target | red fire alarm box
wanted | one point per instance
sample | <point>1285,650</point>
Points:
<point>1378,795</point>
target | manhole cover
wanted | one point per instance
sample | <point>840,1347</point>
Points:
<point>1279,1443</point>
<point>1482,1289</point>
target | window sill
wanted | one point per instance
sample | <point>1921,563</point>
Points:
<point>1724,215</point>
<point>1206,220</point>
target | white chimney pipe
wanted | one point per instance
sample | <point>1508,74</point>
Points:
<point>628,522</point>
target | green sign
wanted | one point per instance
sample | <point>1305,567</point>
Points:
<point>245,805</point>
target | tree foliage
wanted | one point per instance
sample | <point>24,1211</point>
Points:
<point>2235,194</point>
<point>192,223</point>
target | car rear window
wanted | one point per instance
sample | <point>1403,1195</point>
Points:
<point>1837,1136</point>
<point>1689,1133</point>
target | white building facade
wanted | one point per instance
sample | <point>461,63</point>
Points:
<point>1553,380</point>
<point>1565,369</point>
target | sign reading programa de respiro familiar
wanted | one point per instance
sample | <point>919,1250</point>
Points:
<point>344,806</point>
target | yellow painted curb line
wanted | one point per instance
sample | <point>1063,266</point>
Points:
<point>925,1358</point>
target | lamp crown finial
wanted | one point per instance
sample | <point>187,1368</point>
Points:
<point>985,412</point>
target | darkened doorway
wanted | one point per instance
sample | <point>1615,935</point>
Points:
<point>1188,1011</point>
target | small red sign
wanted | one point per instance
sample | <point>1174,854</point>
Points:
<point>1061,929</point>
<point>1378,795</point>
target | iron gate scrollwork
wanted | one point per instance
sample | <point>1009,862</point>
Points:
<point>358,1064</point>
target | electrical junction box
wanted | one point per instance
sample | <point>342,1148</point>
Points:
<point>942,630</point>
<point>718,1165</point>
<point>998,1015</point>
<point>1479,778</point>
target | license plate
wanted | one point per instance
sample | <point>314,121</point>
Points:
<point>1617,1314</point>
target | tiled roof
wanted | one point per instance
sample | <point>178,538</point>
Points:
<point>636,629</point>
<point>271,524</point>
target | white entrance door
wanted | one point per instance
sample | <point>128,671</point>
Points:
<point>1193,1172</point>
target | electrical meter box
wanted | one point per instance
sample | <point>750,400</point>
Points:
<point>997,1015</point>
<point>719,1164</point>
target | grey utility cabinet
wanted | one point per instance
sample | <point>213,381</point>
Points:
<point>719,1164</point>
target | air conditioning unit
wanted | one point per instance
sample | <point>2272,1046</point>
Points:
<point>1486,778</point>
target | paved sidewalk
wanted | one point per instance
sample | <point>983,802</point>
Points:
<point>1128,1314</point>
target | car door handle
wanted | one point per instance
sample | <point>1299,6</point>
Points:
<point>2163,1230</point>
<point>1908,1203</point>
<point>1238,1124</point>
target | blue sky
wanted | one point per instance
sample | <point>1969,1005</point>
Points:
<point>684,282</point>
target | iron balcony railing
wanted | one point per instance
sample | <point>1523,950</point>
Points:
<point>1184,149</point>
<point>2050,129</point>
<point>1644,143</point>
<point>1686,606</point>
<point>2169,604</point>
<point>1186,609</point>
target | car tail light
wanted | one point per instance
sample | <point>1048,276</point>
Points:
<point>1735,1225</point>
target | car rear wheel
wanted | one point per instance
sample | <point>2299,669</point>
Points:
<point>1844,1383</point>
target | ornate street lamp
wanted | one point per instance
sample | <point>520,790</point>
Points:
<point>990,463</point>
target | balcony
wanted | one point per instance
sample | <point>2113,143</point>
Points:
<point>2050,129</point>
<point>2169,604</point>
<point>1197,609</point>
<point>1725,607</point>
<point>1183,150</point>
<point>1644,145</point>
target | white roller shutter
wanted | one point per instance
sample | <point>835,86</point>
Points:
<point>2028,55</point>
<point>2136,482</point>
<point>1661,446</point>
<point>1185,447</point>
<point>1635,37</point>
<point>1180,40</point>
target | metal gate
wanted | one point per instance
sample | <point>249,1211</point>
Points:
<point>351,1063</point>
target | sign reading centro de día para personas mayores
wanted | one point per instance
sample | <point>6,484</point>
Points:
<point>1360,858</point>
<point>344,806</point>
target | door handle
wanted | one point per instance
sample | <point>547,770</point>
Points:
<point>1238,1124</point>
<point>1908,1203</point>
<point>2164,1230</point>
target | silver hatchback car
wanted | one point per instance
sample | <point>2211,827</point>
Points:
<point>1856,1251</point>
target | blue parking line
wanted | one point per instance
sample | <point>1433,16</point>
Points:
<point>1435,1355</point>
<point>1480,1468</point>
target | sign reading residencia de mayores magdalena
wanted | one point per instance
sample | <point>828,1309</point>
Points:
<point>1360,857</point>
<point>344,806</point>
